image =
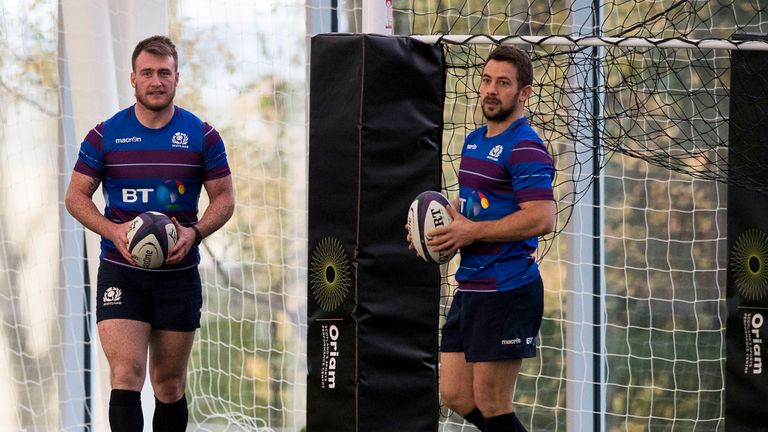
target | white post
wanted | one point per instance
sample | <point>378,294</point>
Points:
<point>98,82</point>
<point>377,17</point>
<point>320,17</point>
<point>77,358</point>
<point>584,334</point>
<point>132,21</point>
<point>93,90</point>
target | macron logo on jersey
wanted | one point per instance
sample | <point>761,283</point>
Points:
<point>133,139</point>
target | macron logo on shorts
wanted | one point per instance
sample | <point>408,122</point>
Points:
<point>517,341</point>
<point>112,296</point>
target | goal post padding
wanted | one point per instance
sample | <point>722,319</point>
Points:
<point>746,381</point>
<point>375,128</point>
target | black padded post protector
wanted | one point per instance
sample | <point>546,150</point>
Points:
<point>746,381</point>
<point>375,127</point>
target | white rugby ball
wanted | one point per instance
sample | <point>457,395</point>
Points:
<point>428,211</point>
<point>150,236</point>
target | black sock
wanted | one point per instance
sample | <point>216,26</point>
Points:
<point>170,417</point>
<point>504,423</point>
<point>476,418</point>
<point>125,411</point>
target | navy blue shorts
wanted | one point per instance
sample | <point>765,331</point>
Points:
<point>489,326</point>
<point>168,300</point>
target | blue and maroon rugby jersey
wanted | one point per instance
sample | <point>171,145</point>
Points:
<point>496,175</point>
<point>144,169</point>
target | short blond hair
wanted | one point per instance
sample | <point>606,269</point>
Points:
<point>157,45</point>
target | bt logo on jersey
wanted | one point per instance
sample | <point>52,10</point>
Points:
<point>167,194</point>
<point>134,195</point>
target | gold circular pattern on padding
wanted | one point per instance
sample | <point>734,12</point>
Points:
<point>329,273</point>
<point>749,264</point>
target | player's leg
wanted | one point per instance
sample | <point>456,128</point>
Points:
<point>503,334</point>
<point>493,387</point>
<point>124,343</point>
<point>455,372</point>
<point>456,383</point>
<point>168,359</point>
<point>123,315</point>
<point>456,387</point>
<point>177,303</point>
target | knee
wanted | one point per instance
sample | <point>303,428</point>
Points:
<point>460,402</point>
<point>169,387</point>
<point>493,403</point>
<point>129,375</point>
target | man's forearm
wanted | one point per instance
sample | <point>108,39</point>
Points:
<point>215,216</point>
<point>84,210</point>
<point>520,225</point>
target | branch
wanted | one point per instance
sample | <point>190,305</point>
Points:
<point>29,100</point>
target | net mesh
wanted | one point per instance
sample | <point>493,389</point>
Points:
<point>639,134</point>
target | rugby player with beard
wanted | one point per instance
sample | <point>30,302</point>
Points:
<point>505,203</point>
<point>152,156</point>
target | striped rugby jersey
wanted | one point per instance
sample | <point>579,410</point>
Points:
<point>496,175</point>
<point>144,169</point>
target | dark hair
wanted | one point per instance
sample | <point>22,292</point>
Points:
<point>517,57</point>
<point>157,45</point>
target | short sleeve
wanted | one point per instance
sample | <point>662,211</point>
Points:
<point>215,164</point>
<point>532,172</point>
<point>90,159</point>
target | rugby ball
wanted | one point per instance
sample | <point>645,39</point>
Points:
<point>428,211</point>
<point>150,236</point>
